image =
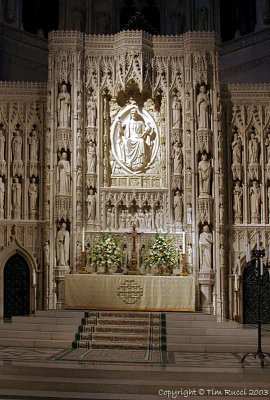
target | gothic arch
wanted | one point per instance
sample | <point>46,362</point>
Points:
<point>11,250</point>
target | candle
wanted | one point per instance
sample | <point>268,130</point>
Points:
<point>83,237</point>
<point>261,266</point>
<point>258,240</point>
<point>184,242</point>
<point>248,252</point>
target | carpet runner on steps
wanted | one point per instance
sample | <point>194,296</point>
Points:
<point>119,336</point>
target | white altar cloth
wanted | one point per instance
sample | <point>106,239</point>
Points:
<point>129,292</point>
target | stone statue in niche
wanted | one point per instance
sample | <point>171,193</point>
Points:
<point>79,211</point>
<point>253,149</point>
<point>16,189</point>
<point>236,149</point>
<point>238,199</point>
<point>203,105</point>
<point>63,175</point>
<point>122,220</point>
<point>2,196</point>
<point>63,107</point>
<point>267,144</point>
<point>177,158</point>
<point>79,175</point>
<point>33,148</point>
<point>187,102</point>
<point>189,214</point>
<point>110,218</point>
<point>79,102</point>
<point>159,219</point>
<point>255,198</point>
<point>135,141</point>
<point>204,170</point>
<point>91,111</point>
<point>91,157</point>
<point>91,205</point>
<point>178,207</point>
<point>2,145</point>
<point>114,108</point>
<point>33,195</point>
<point>46,251</point>
<point>16,145</point>
<point>62,245</point>
<point>205,245</point>
<point>176,112</point>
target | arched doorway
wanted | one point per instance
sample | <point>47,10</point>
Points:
<point>250,295</point>
<point>16,287</point>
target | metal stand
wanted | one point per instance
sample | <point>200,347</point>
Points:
<point>259,254</point>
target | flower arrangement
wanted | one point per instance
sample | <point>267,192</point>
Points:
<point>162,254</point>
<point>106,253</point>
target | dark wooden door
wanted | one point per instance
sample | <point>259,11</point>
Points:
<point>16,287</point>
<point>251,294</point>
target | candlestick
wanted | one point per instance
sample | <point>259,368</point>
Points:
<point>261,266</point>
<point>83,238</point>
<point>184,243</point>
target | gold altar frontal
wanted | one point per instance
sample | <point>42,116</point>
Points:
<point>121,292</point>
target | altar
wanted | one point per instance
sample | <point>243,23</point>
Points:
<point>123,292</point>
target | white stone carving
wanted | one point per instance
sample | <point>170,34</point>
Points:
<point>62,245</point>
<point>177,158</point>
<point>91,157</point>
<point>205,245</point>
<point>63,107</point>
<point>33,142</point>
<point>236,149</point>
<point>63,175</point>
<point>255,202</point>
<point>178,207</point>
<point>91,111</point>
<point>176,111</point>
<point>253,149</point>
<point>16,198</point>
<point>203,105</point>
<point>204,171</point>
<point>238,202</point>
<point>33,197</point>
<point>134,139</point>
<point>91,206</point>
<point>17,142</point>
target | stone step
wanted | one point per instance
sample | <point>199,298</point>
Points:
<point>36,335</point>
<point>59,314</point>
<point>109,383</point>
<point>210,332</point>
<point>38,327</point>
<point>216,347</point>
<point>46,320</point>
<point>35,343</point>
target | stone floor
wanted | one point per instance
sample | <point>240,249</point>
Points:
<point>31,369</point>
<point>34,374</point>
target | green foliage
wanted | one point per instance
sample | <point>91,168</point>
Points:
<point>162,253</point>
<point>107,251</point>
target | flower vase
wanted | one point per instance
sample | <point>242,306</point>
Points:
<point>106,269</point>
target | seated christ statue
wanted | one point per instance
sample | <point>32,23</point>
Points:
<point>135,142</point>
